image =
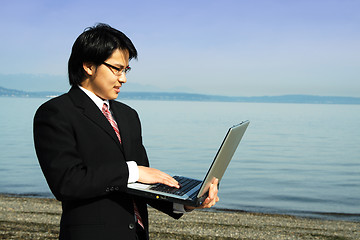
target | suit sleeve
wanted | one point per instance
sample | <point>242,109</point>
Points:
<point>66,171</point>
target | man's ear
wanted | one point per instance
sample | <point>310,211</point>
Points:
<point>89,68</point>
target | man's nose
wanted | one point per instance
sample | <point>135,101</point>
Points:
<point>122,78</point>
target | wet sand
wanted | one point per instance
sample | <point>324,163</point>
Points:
<point>38,218</point>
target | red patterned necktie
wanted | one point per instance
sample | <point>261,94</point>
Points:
<point>138,217</point>
<point>109,117</point>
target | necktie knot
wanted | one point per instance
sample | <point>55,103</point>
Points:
<point>105,108</point>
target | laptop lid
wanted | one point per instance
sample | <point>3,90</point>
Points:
<point>224,155</point>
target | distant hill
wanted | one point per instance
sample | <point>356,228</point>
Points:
<point>167,96</point>
<point>217,98</point>
<point>5,92</point>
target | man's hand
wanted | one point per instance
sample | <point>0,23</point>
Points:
<point>212,198</point>
<point>152,175</point>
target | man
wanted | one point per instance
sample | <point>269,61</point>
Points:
<point>90,146</point>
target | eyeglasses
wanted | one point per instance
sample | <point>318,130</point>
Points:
<point>118,71</point>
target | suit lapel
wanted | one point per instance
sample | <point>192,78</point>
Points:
<point>91,111</point>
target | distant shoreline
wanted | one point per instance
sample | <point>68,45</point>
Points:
<point>173,96</point>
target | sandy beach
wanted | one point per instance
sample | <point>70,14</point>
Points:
<point>38,218</point>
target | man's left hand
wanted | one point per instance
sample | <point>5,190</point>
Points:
<point>212,198</point>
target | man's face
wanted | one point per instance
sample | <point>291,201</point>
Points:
<point>102,81</point>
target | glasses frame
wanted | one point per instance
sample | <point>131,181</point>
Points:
<point>118,70</point>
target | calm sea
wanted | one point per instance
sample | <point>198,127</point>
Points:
<point>300,159</point>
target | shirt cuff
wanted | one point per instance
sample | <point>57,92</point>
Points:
<point>133,171</point>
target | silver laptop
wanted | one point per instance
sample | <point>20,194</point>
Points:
<point>192,191</point>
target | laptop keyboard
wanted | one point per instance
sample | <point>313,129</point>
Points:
<point>186,185</point>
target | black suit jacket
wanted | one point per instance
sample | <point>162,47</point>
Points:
<point>85,166</point>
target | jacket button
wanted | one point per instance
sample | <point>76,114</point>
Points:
<point>116,188</point>
<point>107,189</point>
<point>131,226</point>
<point>111,189</point>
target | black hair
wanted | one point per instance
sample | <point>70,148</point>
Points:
<point>95,45</point>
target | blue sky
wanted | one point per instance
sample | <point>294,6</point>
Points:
<point>229,47</point>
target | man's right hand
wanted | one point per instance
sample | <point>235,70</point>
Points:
<point>152,175</point>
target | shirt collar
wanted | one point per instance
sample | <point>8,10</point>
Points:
<point>98,101</point>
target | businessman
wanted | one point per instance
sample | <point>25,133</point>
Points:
<point>90,147</point>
